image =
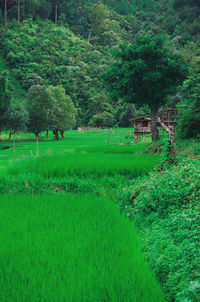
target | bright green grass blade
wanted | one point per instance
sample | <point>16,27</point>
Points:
<point>70,248</point>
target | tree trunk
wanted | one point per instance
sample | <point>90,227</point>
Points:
<point>154,130</point>
<point>56,14</point>
<point>62,133</point>
<point>10,134</point>
<point>18,10</point>
<point>5,12</point>
<point>55,132</point>
<point>89,36</point>
<point>171,151</point>
<point>37,147</point>
<point>47,135</point>
<point>168,129</point>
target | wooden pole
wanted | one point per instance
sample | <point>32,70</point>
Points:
<point>14,148</point>
<point>37,152</point>
<point>108,138</point>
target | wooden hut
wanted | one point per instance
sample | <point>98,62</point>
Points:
<point>166,119</point>
<point>141,125</point>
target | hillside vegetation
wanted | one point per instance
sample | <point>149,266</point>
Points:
<point>74,51</point>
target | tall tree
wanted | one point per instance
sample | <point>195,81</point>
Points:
<point>5,11</point>
<point>30,2</point>
<point>5,98</point>
<point>16,118</point>
<point>18,10</point>
<point>40,106</point>
<point>55,5</point>
<point>64,111</point>
<point>145,73</point>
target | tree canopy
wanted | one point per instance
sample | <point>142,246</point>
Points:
<point>145,73</point>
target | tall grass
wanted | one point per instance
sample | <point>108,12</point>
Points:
<point>84,164</point>
<point>64,248</point>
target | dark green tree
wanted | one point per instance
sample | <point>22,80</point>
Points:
<point>5,99</point>
<point>16,118</point>
<point>105,119</point>
<point>41,107</point>
<point>64,111</point>
<point>128,114</point>
<point>145,73</point>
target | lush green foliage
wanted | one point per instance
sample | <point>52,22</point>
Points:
<point>189,109</point>
<point>165,208</point>
<point>146,73</point>
<point>55,56</point>
<point>129,113</point>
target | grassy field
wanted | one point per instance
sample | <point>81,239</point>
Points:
<point>64,248</point>
<point>61,246</point>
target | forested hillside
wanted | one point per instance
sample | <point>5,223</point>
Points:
<point>69,43</point>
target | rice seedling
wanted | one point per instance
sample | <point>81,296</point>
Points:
<point>86,164</point>
<point>69,248</point>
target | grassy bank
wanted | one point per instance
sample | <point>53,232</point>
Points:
<point>165,207</point>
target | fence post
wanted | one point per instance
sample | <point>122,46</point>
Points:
<point>37,152</point>
<point>108,138</point>
<point>14,147</point>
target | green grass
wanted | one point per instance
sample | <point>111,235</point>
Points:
<point>73,247</point>
<point>84,164</point>
<point>91,142</point>
<point>69,248</point>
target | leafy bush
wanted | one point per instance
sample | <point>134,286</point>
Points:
<point>170,190</point>
<point>164,206</point>
<point>105,119</point>
<point>189,110</point>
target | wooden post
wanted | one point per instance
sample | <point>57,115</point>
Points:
<point>47,135</point>
<point>108,138</point>
<point>37,151</point>
<point>14,148</point>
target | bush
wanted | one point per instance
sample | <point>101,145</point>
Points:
<point>164,206</point>
<point>105,119</point>
<point>189,110</point>
<point>173,189</point>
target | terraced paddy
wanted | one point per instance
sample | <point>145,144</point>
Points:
<point>76,247</point>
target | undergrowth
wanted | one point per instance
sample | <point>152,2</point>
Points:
<point>165,207</point>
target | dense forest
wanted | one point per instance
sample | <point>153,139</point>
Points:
<point>70,43</point>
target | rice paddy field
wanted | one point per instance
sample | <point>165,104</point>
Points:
<point>62,236</point>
